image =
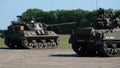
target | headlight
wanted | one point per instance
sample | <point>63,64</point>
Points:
<point>98,35</point>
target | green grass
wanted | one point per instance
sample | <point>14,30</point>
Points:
<point>2,43</point>
<point>63,42</point>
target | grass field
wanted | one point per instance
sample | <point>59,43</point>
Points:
<point>63,42</point>
<point>2,43</point>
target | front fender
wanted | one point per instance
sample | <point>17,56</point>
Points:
<point>72,38</point>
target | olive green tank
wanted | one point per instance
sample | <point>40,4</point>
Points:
<point>23,35</point>
<point>102,38</point>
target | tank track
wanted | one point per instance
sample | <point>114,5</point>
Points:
<point>107,49</point>
<point>32,44</point>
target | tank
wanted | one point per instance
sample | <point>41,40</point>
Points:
<point>101,39</point>
<point>23,35</point>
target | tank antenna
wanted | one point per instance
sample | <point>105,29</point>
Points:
<point>52,7</point>
<point>55,15</point>
<point>96,4</point>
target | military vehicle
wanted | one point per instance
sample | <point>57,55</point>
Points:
<point>101,39</point>
<point>30,35</point>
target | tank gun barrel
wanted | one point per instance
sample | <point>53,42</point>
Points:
<point>61,24</point>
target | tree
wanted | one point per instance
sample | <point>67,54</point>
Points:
<point>84,18</point>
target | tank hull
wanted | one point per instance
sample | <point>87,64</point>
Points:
<point>27,40</point>
<point>90,42</point>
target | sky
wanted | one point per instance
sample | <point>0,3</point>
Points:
<point>9,9</point>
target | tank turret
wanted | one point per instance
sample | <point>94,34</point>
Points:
<point>106,21</point>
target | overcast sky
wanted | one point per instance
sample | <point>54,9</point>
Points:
<point>9,9</point>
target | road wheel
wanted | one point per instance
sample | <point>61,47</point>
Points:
<point>109,49</point>
<point>54,45</point>
<point>26,44</point>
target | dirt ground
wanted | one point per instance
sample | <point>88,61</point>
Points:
<point>53,58</point>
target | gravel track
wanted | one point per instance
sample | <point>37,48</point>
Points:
<point>53,58</point>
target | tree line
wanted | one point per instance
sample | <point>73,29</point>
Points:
<point>83,18</point>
